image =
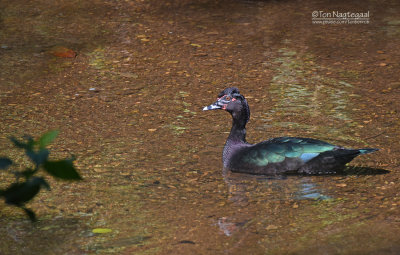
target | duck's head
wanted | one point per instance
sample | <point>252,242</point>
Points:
<point>233,102</point>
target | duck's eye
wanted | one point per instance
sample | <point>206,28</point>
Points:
<point>228,98</point>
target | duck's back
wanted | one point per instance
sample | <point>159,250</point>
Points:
<point>285,155</point>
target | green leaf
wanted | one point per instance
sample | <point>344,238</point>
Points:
<point>38,157</point>
<point>5,163</point>
<point>63,169</point>
<point>47,138</point>
<point>20,193</point>
<point>27,173</point>
<point>30,213</point>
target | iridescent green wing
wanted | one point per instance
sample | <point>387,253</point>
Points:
<point>278,149</point>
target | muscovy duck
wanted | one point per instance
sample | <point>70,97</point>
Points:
<point>276,156</point>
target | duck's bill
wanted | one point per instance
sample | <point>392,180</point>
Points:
<point>213,106</point>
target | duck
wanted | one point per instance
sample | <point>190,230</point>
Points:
<point>280,155</point>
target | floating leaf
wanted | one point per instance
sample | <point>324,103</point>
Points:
<point>101,230</point>
<point>5,163</point>
<point>63,169</point>
<point>62,52</point>
<point>47,138</point>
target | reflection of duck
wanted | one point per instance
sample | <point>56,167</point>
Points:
<point>247,192</point>
<point>228,226</point>
<point>282,155</point>
<point>309,190</point>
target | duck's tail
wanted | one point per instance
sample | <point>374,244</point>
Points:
<point>367,150</point>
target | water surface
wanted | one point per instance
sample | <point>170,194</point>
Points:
<point>129,106</point>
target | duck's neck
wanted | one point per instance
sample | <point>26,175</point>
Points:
<point>236,140</point>
<point>238,131</point>
<point>237,137</point>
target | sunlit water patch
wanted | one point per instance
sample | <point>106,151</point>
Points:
<point>297,86</point>
<point>305,99</point>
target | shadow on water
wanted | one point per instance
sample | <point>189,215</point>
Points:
<point>358,170</point>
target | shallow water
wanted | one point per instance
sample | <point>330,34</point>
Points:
<point>129,107</point>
